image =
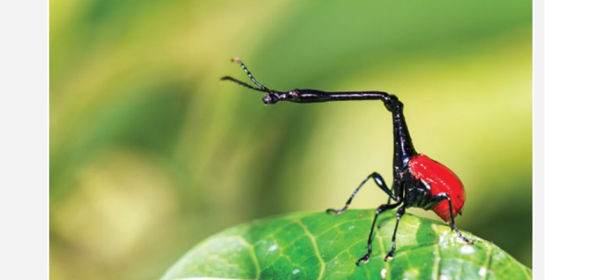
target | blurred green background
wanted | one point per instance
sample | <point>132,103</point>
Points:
<point>150,152</point>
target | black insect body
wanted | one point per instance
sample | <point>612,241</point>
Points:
<point>418,180</point>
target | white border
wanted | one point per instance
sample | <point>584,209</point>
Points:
<point>24,103</point>
<point>578,139</point>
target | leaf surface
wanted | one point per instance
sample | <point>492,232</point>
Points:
<point>320,246</point>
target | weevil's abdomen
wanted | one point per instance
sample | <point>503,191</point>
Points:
<point>441,180</point>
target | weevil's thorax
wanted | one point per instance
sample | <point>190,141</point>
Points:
<point>417,194</point>
<point>439,179</point>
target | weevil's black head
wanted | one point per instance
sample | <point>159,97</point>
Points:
<point>271,98</point>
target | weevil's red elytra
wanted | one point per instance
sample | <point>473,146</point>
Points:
<point>441,180</point>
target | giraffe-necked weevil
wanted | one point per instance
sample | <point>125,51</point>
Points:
<point>419,181</point>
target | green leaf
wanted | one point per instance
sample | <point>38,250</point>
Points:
<point>320,246</point>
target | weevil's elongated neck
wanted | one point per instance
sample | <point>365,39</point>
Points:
<point>313,96</point>
<point>403,145</point>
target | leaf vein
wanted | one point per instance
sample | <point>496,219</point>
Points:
<point>337,226</point>
<point>253,256</point>
<point>525,269</point>
<point>385,263</point>
<point>437,262</point>
<point>308,233</point>
<point>271,234</point>
<point>488,261</point>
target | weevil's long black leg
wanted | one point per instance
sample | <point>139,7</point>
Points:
<point>399,215</point>
<point>444,196</point>
<point>380,183</point>
<point>380,210</point>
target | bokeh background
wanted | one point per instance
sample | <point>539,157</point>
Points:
<point>150,152</point>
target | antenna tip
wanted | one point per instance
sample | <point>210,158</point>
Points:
<point>235,59</point>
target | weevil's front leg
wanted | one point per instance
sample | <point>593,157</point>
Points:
<point>380,183</point>
<point>380,210</point>
<point>399,215</point>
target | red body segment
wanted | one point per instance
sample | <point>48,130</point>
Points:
<point>441,180</point>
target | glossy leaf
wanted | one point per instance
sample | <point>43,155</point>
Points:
<point>319,246</point>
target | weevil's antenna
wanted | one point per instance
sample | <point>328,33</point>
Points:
<point>228,78</point>
<point>262,87</point>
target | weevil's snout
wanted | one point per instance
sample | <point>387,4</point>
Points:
<point>271,98</point>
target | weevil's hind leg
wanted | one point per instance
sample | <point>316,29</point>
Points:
<point>380,183</point>
<point>399,215</point>
<point>380,210</point>
<point>453,226</point>
<point>444,196</point>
